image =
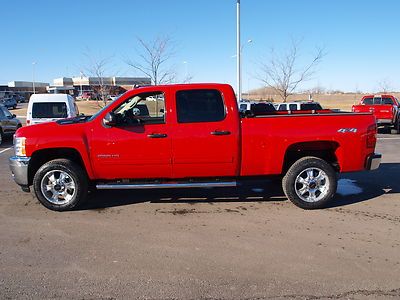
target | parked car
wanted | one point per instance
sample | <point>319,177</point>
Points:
<point>385,108</point>
<point>298,105</point>
<point>201,141</point>
<point>21,99</point>
<point>85,96</point>
<point>50,107</point>
<point>9,102</point>
<point>9,123</point>
<point>256,108</point>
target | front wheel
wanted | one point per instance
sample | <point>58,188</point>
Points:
<point>310,183</point>
<point>60,184</point>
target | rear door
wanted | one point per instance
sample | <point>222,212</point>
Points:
<point>205,137</point>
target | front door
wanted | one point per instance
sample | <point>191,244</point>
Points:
<point>138,146</point>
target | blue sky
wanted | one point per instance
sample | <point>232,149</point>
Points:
<point>361,38</point>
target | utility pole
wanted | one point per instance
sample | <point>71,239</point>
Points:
<point>238,50</point>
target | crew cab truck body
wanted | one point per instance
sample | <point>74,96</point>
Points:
<point>385,108</point>
<point>198,139</point>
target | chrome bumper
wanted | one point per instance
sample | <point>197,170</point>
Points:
<point>373,161</point>
<point>19,169</point>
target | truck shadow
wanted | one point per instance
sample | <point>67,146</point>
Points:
<point>365,186</point>
<point>247,191</point>
<point>353,188</point>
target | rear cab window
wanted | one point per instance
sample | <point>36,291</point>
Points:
<point>49,110</point>
<point>195,106</point>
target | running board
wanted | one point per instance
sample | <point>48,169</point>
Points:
<point>133,186</point>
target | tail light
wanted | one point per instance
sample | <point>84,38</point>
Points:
<point>371,136</point>
<point>28,122</point>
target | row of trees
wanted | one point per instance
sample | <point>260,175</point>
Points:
<point>281,72</point>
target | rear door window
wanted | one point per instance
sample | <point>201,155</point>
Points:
<point>199,106</point>
<point>292,106</point>
<point>49,110</point>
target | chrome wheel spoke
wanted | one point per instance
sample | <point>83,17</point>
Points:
<point>303,190</point>
<point>69,185</point>
<point>312,195</point>
<point>302,181</point>
<point>54,197</point>
<point>52,179</point>
<point>62,177</point>
<point>310,174</point>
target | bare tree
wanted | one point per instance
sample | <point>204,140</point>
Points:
<point>98,67</point>
<point>282,72</point>
<point>154,57</point>
<point>384,86</point>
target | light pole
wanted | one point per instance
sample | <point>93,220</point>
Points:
<point>33,77</point>
<point>81,83</point>
<point>238,50</point>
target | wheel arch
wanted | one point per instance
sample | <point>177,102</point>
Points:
<point>326,150</point>
<point>40,157</point>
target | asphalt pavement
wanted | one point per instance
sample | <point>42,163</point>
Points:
<point>244,243</point>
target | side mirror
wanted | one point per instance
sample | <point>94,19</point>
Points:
<point>110,119</point>
<point>14,116</point>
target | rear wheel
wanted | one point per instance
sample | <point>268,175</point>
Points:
<point>60,184</point>
<point>310,183</point>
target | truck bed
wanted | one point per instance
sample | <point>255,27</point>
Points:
<point>267,139</point>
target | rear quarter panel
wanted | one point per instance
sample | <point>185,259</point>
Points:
<point>265,140</point>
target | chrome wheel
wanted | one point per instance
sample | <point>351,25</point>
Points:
<point>312,185</point>
<point>58,187</point>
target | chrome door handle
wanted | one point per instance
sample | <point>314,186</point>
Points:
<point>222,132</point>
<point>157,135</point>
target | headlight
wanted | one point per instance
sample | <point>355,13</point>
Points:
<point>19,146</point>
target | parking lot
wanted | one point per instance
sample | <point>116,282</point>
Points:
<point>225,243</point>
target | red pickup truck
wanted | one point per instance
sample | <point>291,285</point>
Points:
<point>197,138</point>
<point>385,108</point>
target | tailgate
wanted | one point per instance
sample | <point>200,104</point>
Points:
<point>379,111</point>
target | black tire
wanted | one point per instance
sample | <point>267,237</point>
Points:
<point>72,185</point>
<point>1,136</point>
<point>317,192</point>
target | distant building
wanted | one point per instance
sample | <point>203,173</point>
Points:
<point>73,85</point>
<point>76,85</point>
<point>27,84</point>
<point>23,88</point>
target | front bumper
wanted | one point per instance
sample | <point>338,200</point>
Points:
<point>373,161</point>
<point>19,169</point>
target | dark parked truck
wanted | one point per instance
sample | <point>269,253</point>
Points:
<point>385,108</point>
<point>196,138</point>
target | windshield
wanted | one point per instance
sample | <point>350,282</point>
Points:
<point>101,110</point>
